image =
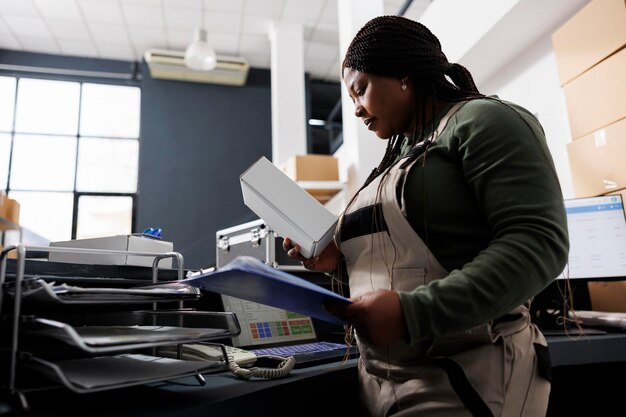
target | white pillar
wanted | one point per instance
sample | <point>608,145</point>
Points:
<point>362,150</point>
<point>288,95</point>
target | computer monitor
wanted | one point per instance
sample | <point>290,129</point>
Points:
<point>263,325</point>
<point>597,236</point>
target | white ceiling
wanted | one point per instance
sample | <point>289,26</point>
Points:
<point>124,29</point>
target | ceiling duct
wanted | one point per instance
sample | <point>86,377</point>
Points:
<point>170,65</point>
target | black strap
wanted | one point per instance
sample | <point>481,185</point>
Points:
<point>415,152</point>
<point>464,389</point>
<point>543,361</point>
<point>364,221</point>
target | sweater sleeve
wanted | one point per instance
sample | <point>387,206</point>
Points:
<point>506,163</point>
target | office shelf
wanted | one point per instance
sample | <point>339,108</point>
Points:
<point>88,342</point>
<point>102,373</point>
<point>24,235</point>
<point>7,225</point>
<point>322,190</point>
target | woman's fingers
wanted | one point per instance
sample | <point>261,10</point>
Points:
<point>293,251</point>
<point>325,262</point>
<point>376,316</point>
<point>309,263</point>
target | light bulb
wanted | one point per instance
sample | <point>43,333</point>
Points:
<point>199,54</point>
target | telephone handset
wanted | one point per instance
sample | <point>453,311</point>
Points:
<point>237,359</point>
<point>213,353</point>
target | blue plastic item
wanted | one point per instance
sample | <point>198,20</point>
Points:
<point>153,232</point>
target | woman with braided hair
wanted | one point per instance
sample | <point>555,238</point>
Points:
<point>448,240</point>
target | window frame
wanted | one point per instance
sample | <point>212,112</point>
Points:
<point>79,194</point>
<point>76,194</point>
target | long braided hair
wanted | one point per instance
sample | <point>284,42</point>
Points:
<point>394,46</point>
<point>397,47</point>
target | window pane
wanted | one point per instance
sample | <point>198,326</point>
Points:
<point>47,107</point>
<point>43,163</point>
<point>7,102</point>
<point>110,110</point>
<point>5,152</point>
<point>47,214</point>
<point>104,216</point>
<point>107,165</point>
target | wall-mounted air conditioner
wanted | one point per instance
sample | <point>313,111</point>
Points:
<point>170,65</point>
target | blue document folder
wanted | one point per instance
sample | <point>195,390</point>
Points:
<point>250,279</point>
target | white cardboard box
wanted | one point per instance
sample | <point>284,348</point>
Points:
<point>287,208</point>
<point>120,242</point>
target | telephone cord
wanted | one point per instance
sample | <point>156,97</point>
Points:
<point>282,370</point>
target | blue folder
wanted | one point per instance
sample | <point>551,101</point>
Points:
<point>250,279</point>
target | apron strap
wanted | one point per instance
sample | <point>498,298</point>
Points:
<point>422,146</point>
<point>464,389</point>
<point>444,119</point>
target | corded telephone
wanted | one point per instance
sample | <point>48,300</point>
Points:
<point>210,353</point>
<point>237,358</point>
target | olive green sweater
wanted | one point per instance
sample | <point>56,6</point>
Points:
<point>489,198</point>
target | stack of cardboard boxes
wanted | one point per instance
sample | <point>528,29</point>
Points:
<point>9,211</point>
<point>317,174</point>
<point>590,51</point>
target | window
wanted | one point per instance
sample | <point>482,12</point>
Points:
<point>69,155</point>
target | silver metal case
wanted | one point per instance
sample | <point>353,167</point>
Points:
<point>254,239</point>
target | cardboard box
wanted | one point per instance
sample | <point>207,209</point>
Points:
<point>3,198</point>
<point>322,191</point>
<point>9,209</point>
<point>607,295</point>
<point>597,98</point>
<point>287,208</point>
<point>120,242</point>
<point>312,168</point>
<point>12,211</point>
<point>594,33</point>
<point>317,174</point>
<point>598,161</point>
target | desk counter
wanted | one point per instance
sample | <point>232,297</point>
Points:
<point>580,387</point>
<point>329,389</point>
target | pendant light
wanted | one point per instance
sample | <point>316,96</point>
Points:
<point>199,55</point>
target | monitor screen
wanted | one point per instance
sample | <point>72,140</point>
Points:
<point>262,325</point>
<point>597,235</point>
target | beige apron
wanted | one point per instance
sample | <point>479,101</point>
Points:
<point>492,369</point>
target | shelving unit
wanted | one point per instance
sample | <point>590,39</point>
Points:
<point>24,235</point>
<point>322,190</point>
<point>97,337</point>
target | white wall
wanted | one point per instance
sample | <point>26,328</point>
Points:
<point>461,24</point>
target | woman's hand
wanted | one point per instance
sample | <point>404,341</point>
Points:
<point>324,262</point>
<point>377,316</point>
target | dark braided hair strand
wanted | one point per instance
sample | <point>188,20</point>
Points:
<point>394,46</point>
